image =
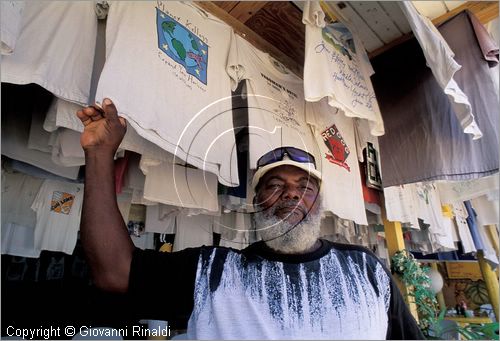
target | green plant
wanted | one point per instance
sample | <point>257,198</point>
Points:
<point>412,274</point>
<point>471,331</point>
<point>477,292</point>
<point>486,331</point>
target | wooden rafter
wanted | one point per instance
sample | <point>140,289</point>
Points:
<point>251,36</point>
<point>244,10</point>
<point>483,10</point>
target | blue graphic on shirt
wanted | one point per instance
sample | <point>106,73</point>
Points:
<point>184,47</point>
<point>339,36</point>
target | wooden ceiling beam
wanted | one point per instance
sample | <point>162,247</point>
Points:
<point>251,36</point>
<point>483,10</point>
<point>226,5</point>
<point>244,10</point>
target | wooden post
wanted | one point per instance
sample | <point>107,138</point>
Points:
<point>395,242</point>
<point>491,281</point>
<point>493,234</point>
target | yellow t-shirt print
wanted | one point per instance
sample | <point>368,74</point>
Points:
<point>62,202</point>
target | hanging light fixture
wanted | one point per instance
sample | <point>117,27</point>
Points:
<point>437,281</point>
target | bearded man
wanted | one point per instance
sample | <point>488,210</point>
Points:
<point>290,285</point>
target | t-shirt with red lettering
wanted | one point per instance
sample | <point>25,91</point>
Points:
<point>341,186</point>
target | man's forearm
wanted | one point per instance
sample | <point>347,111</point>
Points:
<point>104,235</point>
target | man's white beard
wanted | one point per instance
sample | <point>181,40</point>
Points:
<point>285,237</point>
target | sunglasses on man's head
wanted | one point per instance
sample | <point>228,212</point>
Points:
<point>295,154</point>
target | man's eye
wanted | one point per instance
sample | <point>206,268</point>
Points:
<point>274,186</point>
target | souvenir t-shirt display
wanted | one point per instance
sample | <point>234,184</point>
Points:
<point>165,71</point>
<point>337,67</point>
<point>336,292</point>
<point>341,181</point>
<point>276,106</point>
<point>55,48</point>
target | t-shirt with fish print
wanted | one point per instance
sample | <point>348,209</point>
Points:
<point>336,292</point>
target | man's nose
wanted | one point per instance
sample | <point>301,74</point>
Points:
<point>291,192</point>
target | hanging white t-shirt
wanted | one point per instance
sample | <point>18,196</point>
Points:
<point>15,145</point>
<point>341,180</point>
<point>55,48</point>
<point>161,218</point>
<point>453,191</point>
<point>337,67</point>
<point>276,106</point>
<point>193,231</point>
<point>39,139</point>
<point>18,240</point>
<point>18,192</point>
<point>10,18</point>
<point>63,114</point>
<point>176,185</point>
<point>144,241</point>
<point>444,240</point>
<point>439,58</point>
<point>124,201</point>
<point>58,208</point>
<point>401,205</point>
<point>165,71</point>
<point>429,207</point>
<point>460,213</point>
<point>66,148</point>
<point>18,220</point>
<point>235,229</point>
<point>486,210</point>
<point>488,249</point>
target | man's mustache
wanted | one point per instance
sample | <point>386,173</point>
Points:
<point>296,205</point>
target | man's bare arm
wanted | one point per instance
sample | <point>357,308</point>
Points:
<point>108,247</point>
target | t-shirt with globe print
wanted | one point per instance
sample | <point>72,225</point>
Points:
<point>182,46</point>
<point>166,72</point>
